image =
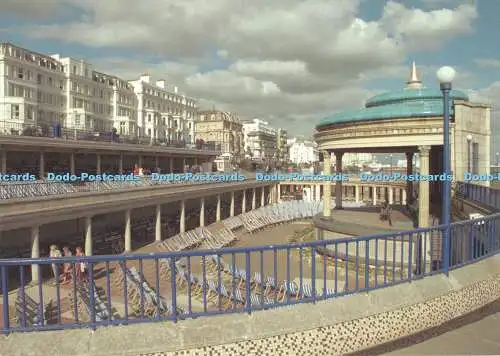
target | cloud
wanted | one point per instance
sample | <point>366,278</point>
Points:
<point>487,63</point>
<point>421,29</point>
<point>281,60</point>
<point>31,9</point>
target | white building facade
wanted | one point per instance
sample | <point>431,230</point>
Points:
<point>353,158</point>
<point>303,151</point>
<point>162,113</point>
<point>260,140</point>
<point>32,90</point>
<point>39,91</point>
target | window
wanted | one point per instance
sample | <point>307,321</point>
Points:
<point>74,70</point>
<point>50,81</point>
<point>164,121</point>
<point>39,79</point>
<point>475,158</point>
<point>14,112</point>
<point>149,132</point>
<point>149,118</point>
<point>77,119</point>
<point>20,73</point>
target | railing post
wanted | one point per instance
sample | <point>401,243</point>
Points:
<point>173,284</point>
<point>248,299</point>
<point>313,273</point>
<point>5,305</point>
<point>92,296</point>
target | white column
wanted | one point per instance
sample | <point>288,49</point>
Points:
<point>231,208</point>
<point>98,164</point>
<point>374,195</point>
<point>158,223</point>
<point>318,192</point>
<point>120,163</point>
<point>72,163</point>
<point>262,196</point>
<point>409,171</point>
<point>3,164</point>
<point>202,212</point>
<point>217,212</point>
<point>279,192</point>
<point>327,187</point>
<point>253,199</point>
<point>171,164</point>
<point>128,232</point>
<point>423,188</point>
<point>140,162</point>
<point>42,165</point>
<point>403,198</point>
<point>88,236</point>
<point>183,217</point>
<point>356,192</point>
<point>35,252</point>
<point>338,183</point>
<point>244,201</point>
<point>391,195</point>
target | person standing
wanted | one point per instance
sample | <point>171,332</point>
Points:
<point>81,267</point>
<point>55,253</point>
<point>67,266</point>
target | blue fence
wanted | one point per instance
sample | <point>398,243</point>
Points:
<point>125,289</point>
<point>486,196</point>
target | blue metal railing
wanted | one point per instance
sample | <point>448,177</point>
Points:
<point>487,196</point>
<point>127,289</point>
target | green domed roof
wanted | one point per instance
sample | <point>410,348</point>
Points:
<point>413,102</point>
<point>413,94</point>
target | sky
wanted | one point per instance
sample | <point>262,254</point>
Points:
<point>290,62</point>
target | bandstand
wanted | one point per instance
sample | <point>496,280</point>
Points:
<point>410,121</point>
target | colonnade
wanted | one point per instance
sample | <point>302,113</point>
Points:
<point>394,194</point>
<point>406,196</point>
<point>42,166</point>
<point>127,234</point>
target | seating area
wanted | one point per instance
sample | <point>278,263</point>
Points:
<point>284,212</point>
<point>85,309</point>
<point>28,312</point>
<point>15,190</point>
<point>198,238</point>
<point>144,299</point>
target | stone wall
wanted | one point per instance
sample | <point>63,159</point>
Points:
<point>333,327</point>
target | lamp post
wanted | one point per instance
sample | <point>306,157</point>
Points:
<point>445,77</point>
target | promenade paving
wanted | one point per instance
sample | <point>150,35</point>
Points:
<point>476,333</point>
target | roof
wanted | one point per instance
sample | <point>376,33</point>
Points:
<point>409,109</point>
<point>412,102</point>
<point>413,94</point>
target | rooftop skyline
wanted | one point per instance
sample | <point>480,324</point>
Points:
<point>324,57</point>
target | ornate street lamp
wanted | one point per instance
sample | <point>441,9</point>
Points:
<point>445,77</point>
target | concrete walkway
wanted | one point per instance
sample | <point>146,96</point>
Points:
<point>477,333</point>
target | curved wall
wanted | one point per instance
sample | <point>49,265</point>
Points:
<point>334,327</point>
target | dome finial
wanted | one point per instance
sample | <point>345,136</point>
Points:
<point>413,82</point>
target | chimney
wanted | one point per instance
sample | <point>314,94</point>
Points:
<point>145,78</point>
<point>176,90</point>
<point>160,83</point>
